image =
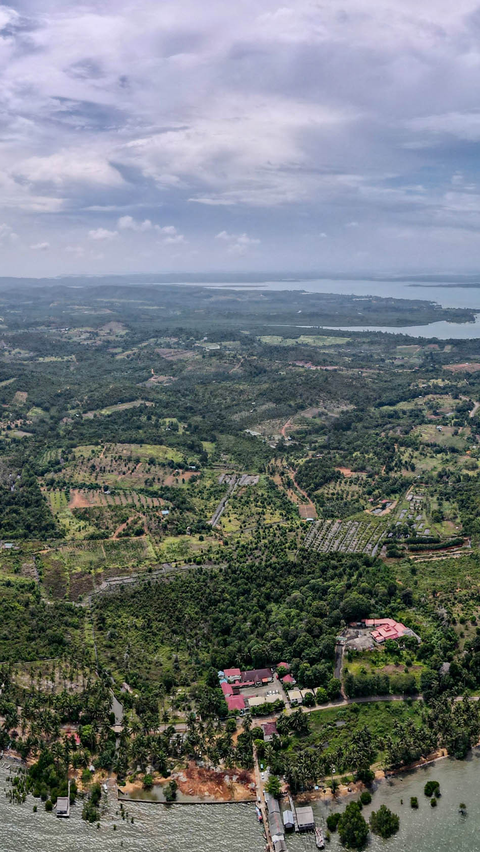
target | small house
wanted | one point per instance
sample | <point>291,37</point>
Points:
<point>269,731</point>
<point>259,676</point>
<point>295,696</point>
<point>232,674</point>
<point>305,819</point>
<point>62,808</point>
<point>236,702</point>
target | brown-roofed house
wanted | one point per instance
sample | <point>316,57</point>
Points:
<point>269,731</point>
<point>257,676</point>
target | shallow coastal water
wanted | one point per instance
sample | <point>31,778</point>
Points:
<point>233,828</point>
<point>156,828</point>
<point>427,829</point>
<point>442,330</point>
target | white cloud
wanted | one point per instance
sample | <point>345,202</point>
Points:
<point>120,109</point>
<point>66,167</point>
<point>40,246</point>
<point>462,125</point>
<point>7,234</point>
<point>75,250</point>
<point>170,235</point>
<point>178,238</point>
<point>257,140</point>
<point>237,244</point>
<point>128,223</point>
<point>102,234</point>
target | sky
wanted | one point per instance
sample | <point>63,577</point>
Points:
<point>158,136</point>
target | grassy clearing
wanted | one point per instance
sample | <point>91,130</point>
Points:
<point>304,339</point>
<point>380,662</point>
<point>179,548</point>
<point>334,728</point>
<point>46,359</point>
<point>444,436</point>
<point>447,577</point>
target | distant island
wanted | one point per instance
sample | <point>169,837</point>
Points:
<point>465,285</point>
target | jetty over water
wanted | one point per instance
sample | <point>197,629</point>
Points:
<point>62,808</point>
<point>275,823</point>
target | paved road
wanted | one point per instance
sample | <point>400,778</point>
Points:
<point>223,502</point>
<point>339,649</point>
<point>366,699</point>
<point>117,710</point>
<point>476,406</point>
<point>344,702</point>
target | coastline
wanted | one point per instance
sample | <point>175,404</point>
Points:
<point>196,785</point>
<point>133,792</point>
<point>325,794</point>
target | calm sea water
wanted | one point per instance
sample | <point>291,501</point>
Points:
<point>441,330</point>
<point>447,297</point>
<point>427,829</point>
<point>233,828</point>
<point>156,828</point>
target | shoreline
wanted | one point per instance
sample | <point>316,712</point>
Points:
<point>325,795</point>
<point>182,802</point>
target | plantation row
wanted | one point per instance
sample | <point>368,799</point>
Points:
<point>86,498</point>
<point>345,537</point>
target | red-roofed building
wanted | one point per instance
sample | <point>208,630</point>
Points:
<point>226,688</point>
<point>288,679</point>
<point>269,731</point>
<point>386,628</point>
<point>240,684</point>
<point>284,666</point>
<point>235,702</point>
<point>75,736</point>
<point>232,674</point>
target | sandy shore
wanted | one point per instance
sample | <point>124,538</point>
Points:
<point>198,784</point>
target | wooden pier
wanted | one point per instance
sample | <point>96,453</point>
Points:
<point>62,808</point>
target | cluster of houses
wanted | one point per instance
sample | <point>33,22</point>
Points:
<point>233,681</point>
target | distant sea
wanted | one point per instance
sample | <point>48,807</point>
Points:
<point>446,296</point>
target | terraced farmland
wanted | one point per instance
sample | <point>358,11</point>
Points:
<point>360,536</point>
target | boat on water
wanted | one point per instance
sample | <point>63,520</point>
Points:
<point>319,839</point>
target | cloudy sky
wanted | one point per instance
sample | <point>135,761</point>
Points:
<point>340,135</point>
